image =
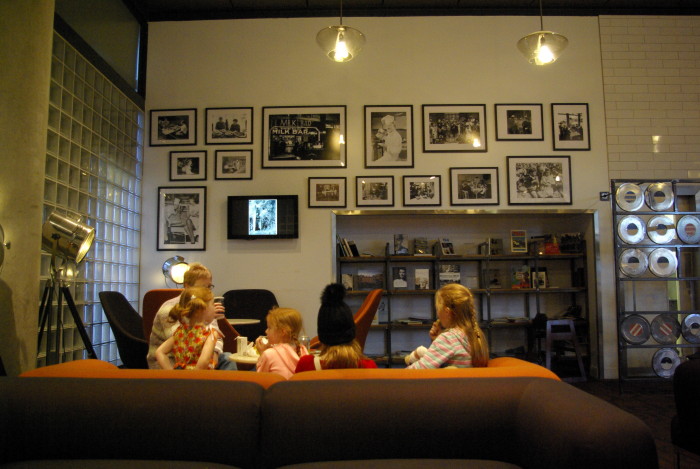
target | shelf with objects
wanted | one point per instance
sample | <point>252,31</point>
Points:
<point>657,265</point>
<point>411,254</point>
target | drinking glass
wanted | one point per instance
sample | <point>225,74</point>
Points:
<point>305,341</point>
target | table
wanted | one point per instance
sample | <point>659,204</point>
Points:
<point>244,362</point>
<point>242,321</point>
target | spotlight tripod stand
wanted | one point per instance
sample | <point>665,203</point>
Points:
<point>55,286</point>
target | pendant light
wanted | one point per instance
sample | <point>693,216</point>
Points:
<point>340,43</point>
<point>542,47</point>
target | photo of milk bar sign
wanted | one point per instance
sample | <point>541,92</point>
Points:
<point>304,137</point>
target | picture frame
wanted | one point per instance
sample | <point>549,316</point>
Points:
<point>228,125</point>
<point>539,180</point>
<point>474,186</point>
<point>389,136</point>
<point>452,128</point>
<point>521,122</point>
<point>304,137</point>
<point>327,192</point>
<point>233,164</point>
<point>374,191</point>
<point>422,190</point>
<point>182,218</point>
<point>188,165</point>
<point>169,127</point>
<point>570,127</point>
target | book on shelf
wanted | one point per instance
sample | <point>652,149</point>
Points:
<point>400,245</point>
<point>518,241</point>
<point>353,248</point>
<point>520,276</point>
<point>492,278</point>
<point>420,246</point>
<point>399,277</point>
<point>447,247</point>
<point>369,280</point>
<point>491,247</point>
<point>450,273</point>
<point>422,279</point>
<point>539,277</point>
<point>414,321</point>
<point>348,281</point>
<point>341,246</point>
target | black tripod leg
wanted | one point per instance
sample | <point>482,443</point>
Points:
<point>44,309</point>
<point>79,323</point>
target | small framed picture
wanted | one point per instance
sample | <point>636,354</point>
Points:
<point>228,125</point>
<point>188,165</point>
<point>182,218</point>
<point>327,192</point>
<point>454,128</point>
<point>518,241</point>
<point>474,186</point>
<point>233,164</point>
<point>519,122</point>
<point>570,128</point>
<point>374,191</point>
<point>388,136</point>
<point>173,127</point>
<point>539,180</point>
<point>421,190</point>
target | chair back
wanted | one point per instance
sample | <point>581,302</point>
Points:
<point>127,327</point>
<point>230,334</point>
<point>249,304</point>
<point>152,301</point>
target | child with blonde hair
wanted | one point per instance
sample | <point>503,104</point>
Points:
<point>457,338</point>
<point>281,351</point>
<point>192,344</point>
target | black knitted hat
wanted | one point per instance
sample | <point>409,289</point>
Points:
<point>335,323</point>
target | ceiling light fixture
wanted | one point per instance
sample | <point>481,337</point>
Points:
<point>340,43</point>
<point>542,47</point>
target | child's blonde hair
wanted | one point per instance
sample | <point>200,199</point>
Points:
<point>287,320</point>
<point>193,303</point>
<point>460,301</point>
<point>342,356</point>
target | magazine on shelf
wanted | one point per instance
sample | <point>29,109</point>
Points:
<point>420,246</point>
<point>492,278</point>
<point>447,247</point>
<point>518,241</point>
<point>369,280</point>
<point>539,277</point>
<point>422,279</point>
<point>400,245</point>
<point>450,273</point>
<point>520,277</point>
<point>399,277</point>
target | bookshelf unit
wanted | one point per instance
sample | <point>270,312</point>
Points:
<point>506,313</point>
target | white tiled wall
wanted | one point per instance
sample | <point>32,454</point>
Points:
<point>651,77</point>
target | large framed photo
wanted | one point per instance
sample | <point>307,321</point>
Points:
<point>454,128</point>
<point>327,192</point>
<point>188,165</point>
<point>519,122</point>
<point>182,218</point>
<point>570,127</point>
<point>173,127</point>
<point>304,137</point>
<point>421,190</point>
<point>233,164</point>
<point>228,125</point>
<point>474,186</point>
<point>372,191</point>
<point>388,136</point>
<point>539,180</point>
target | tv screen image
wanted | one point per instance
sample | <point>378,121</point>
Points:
<point>262,216</point>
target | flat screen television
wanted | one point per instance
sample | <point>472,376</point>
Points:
<point>263,216</point>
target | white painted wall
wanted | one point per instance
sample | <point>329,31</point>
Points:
<point>416,61</point>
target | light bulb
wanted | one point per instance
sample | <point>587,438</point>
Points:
<point>476,143</point>
<point>544,55</point>
<point>341,139</point>
<point>341,50</point>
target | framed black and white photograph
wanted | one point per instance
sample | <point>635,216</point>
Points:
<point>539,180</point>
<point>421,190</point>
<point>519,122</point>
<point>327,192</point>
<point>373,191</point>
<point>182,218</point>
<point>449,128</point>
<point>228,125</point>
<point>474,186</point>
<point>233,164</point>
<point>173,127</point>
<point>570,127</point>
<point>304,137</point>
<point>388,136</point>
<point>188,165</point>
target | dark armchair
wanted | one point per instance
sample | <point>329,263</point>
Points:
<point>127,326</point>
<point>249,304</point>
<point>685,432</point>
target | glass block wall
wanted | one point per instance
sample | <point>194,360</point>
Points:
<point>94,160</point>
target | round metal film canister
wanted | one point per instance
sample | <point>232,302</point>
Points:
<point>659,196</point>
<point>690,328</point>
<point>662,262</point>
<point>633,262</point>
<point>635,329</point>
<point>629,197</point>
<point>665,329</point>
<point>689,229</point>
<point>661,229</point>
<point>631,229</point>
<point>665,361</point>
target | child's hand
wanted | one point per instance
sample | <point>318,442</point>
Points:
<point>435,330</point>
<point>416,355</point>
<point>220,310</point>
<point>262,344</point>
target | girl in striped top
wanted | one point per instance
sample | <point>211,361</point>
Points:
<point>457,338</point>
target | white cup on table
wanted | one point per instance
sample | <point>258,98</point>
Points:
<point>241,344</point>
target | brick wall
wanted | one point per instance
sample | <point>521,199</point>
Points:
<point>651,78</point>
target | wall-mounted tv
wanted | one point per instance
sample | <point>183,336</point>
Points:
<point>263,216</point>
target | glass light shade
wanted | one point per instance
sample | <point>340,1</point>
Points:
<point>65,237</point>
<point>174,269</point>
<point>542,47</point>
<point>340,43</point>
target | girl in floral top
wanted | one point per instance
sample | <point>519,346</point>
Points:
<point>193,342</point>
